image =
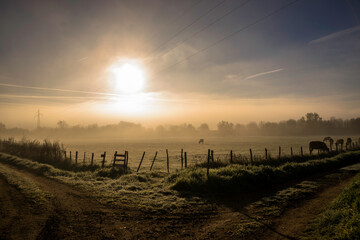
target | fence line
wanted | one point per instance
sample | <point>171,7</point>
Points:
<point>233,158</point>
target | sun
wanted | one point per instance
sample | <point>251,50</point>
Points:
<point>127,77</point>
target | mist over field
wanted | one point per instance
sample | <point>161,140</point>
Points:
<point>191,119</point>
<point>309,125</point>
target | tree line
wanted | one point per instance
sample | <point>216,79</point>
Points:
<point>310,124</point>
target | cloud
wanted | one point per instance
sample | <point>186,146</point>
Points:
<point>50,97</point>
<point>82,59</point>
<point>336,35</point>
<point>57,89</point>
<point>264,73</point>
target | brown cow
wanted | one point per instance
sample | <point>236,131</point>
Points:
<point>331,141</point>
<point>320,146</point>
<point>339,142</point>
<point>348,144</point>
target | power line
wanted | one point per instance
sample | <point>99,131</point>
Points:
<point>188,26</point>
<point>231,35</point>
<point>182,14</point>
<point>207,26</point>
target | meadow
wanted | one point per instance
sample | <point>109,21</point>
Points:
<point>196,153</point>
<point>190,193</point>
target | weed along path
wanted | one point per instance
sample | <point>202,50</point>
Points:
<point>38,206</point>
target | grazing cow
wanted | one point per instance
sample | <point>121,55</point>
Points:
<point>348,144</point>
<point>201,141</point>
<point>331,141</point>
<point>339,142</point>
<point>320,146</point>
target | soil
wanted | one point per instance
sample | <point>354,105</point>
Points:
<point>74,214</point>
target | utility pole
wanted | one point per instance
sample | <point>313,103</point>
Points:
<point>38,114</point>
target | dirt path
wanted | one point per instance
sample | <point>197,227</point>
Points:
<point>237,222</point>
<point>74,214</point>
<point>292,224</point>
<point>71,214</point>
<point>19,220</point>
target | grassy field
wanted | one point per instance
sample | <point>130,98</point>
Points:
<point>197,153</point>
<point>159,190</point>
<point>189,193</point>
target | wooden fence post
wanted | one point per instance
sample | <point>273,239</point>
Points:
<point>84,158</point>
<point>208,164</point>
<point>76,157</point>
<point>291,151</point>
<point>114,158</point>
<point>266,154</point>
<point>251,156</point>
<point>103,160</point>
<point>153,161</point>
<point>126,160</point>
<point>65,154</point>
<point>182,158</point>
<point>279,152</point>
<point>185,159</point>
<point>142,158</point>
<point>231,156</point>
<point>212,155</point>
<point>92,159</point>
<point>70,157</point>
<point>167,160</point>
<point>301,151</point>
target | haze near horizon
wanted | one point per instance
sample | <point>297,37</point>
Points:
<point>179,61</point>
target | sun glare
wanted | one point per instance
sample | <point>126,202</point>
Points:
<point>127,77</point>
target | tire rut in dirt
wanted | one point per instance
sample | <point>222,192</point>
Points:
<point>18,218</point>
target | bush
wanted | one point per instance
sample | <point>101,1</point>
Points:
<point>46,152</point>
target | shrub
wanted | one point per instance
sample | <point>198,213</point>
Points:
<point>46,152</point>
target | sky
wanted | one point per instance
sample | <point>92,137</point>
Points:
<point>198,60</point>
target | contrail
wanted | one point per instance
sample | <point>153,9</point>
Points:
<point>264,73</point>
<point>59,90</point>
<point>336,34</point>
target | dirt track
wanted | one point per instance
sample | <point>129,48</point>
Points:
<point>74,214</point>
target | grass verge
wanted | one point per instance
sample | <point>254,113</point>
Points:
<point>29,189</point>
<point>236,179</point>
<point>340,220</point>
